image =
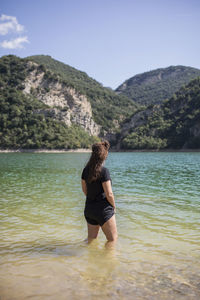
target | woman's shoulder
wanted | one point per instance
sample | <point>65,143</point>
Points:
<point>85,172</point>
<point>85,168</point>
<point>104,169</point>
<point>105,174</point>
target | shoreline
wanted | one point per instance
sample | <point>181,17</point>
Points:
<point>44,151</point>
<point>82,150</point>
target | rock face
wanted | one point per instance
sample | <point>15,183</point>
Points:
<point>138,119</point>
<point>195,131</point>
<point>65,104</point>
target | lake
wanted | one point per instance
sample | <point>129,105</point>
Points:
<point>43,254</point>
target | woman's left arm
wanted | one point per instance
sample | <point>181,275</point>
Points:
<point>84,186</point>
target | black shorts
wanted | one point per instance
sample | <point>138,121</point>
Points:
<point>98,213</point>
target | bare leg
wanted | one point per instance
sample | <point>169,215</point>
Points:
<point>93,231</point>
<point>110,230</point>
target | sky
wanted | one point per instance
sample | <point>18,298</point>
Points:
<point>110,40</point>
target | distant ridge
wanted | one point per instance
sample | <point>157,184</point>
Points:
<point>155,86</point>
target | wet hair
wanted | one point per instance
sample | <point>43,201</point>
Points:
<point>99,154</point>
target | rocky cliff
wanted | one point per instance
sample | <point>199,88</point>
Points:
<point>65,104</point>
<point>108,108</point>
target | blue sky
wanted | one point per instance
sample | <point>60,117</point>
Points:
<point>110,40</point>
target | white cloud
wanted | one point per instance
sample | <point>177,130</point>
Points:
<point>9,24</point>
<point>15,43</point>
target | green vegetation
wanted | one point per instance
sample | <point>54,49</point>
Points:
<point>26,122</point>
<point>106,105</point>
<point>173,124</point>
<point>135,141</point>
<point>21,126</point>
<point>155,86</point>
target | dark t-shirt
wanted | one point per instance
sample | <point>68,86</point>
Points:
<point>95,192</point>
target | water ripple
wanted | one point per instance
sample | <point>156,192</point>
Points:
<point>158,219</point>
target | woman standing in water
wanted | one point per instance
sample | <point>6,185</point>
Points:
<point>100,204</point>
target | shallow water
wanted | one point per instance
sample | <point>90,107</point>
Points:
<point>42,253</point>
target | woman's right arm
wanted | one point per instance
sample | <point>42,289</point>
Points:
<point>108,192</point>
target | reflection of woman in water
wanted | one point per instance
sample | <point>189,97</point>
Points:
<point>100,203</point>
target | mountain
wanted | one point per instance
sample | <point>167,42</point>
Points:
<point>108,109</point>
<point>155,86</point>
<point>47,104</point>
<point>26,121</point>
<point>174,124</point>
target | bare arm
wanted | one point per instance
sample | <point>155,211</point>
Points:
<point>108,191</point>
<point>84,187</point>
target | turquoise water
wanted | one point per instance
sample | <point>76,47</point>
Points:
<point>42,252</point>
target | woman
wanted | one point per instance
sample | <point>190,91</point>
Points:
<point>100,202</point>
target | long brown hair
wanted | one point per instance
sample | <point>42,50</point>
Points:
<point>99,154</point>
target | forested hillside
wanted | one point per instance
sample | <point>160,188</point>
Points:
<point>22,123</point>
<point>174,124</point>
<point>47,104</point>
<point>155,86</point>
